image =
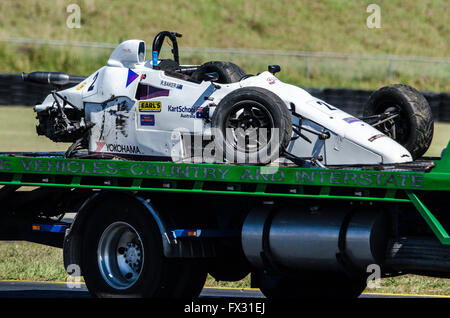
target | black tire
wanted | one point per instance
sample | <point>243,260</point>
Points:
<point>159,277</point>
<point>228,72</point>
<point>415,124</point>
<point>312,285</point>
<point>269,107</point>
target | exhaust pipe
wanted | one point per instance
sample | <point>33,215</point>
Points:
<point>52,78</point>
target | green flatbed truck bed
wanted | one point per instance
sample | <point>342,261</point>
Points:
<point>212,212</point>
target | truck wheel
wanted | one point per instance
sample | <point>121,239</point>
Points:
<point>251,125</point>
<point>228,72</point>
<point>122,256</point>
<point>311,285</point>
<point>413,127</point>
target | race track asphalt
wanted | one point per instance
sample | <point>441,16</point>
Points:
<point>30,289</point>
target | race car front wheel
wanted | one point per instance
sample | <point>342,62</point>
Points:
<point>251,125</point>
<point>402,113</point>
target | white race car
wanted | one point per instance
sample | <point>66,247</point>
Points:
<point>159,109</point>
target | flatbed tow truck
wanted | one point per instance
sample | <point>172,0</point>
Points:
<point>155,229</point>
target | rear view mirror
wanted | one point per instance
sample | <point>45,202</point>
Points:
<point>274,69</point>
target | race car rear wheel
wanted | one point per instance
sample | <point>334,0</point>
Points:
<point>228,72</point>
<point>405,117</point>
<point>251,125</point>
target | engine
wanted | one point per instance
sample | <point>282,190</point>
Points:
<point>62,122</point>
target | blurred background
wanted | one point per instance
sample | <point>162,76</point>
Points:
<point>340,51</point>
<point>335,49</point>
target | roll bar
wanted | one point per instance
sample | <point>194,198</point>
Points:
<point>159,40</point>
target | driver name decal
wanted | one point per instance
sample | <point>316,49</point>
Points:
<point>149,106</point>
<point>171,84</point>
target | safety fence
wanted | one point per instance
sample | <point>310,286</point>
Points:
<point>348,66</point>
<point>14,91</point>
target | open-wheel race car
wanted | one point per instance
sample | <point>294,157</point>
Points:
<point>157,109</point>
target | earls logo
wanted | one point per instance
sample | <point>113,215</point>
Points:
<point>150,106</point>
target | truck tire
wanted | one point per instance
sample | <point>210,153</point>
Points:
<point>414,126</point>
<point>243,114</point>
<point>122,256</point>
<point>311,285</point>
<point>228,72</point>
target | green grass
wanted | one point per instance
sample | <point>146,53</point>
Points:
<point>416,28</point>
<point>18,132</point>
<point>29,261</point>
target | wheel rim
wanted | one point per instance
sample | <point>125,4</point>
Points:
<point>120,255</point>
<point>245,120</point>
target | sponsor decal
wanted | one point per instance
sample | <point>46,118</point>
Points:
<point>171,84</point>
<point>185,111</point>
<point>351,120</point>
<point>122,148</point>
<point>80,87</point>
<point>117,148</point>
<point>131,77</point>
<point>149,92</point>
<point>271,80</point>
<point>143,76</point>
<point>100,145</point>
<point>147,120</point>
<point>149,106</point>
<point>376,137</point>
<point>200,172</point>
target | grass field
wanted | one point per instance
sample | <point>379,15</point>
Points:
<point>29,261</point>
<point>414,28</point>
